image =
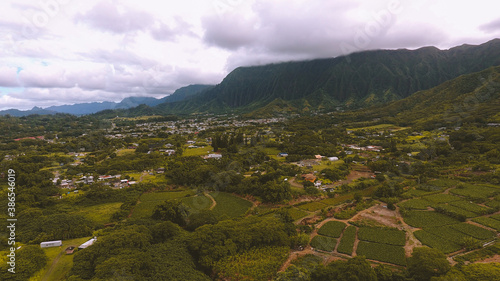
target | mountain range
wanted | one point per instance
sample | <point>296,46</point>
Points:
<point>93,107</point>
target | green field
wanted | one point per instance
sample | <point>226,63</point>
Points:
<point>427,219</point>
<point>197,151</point>
<point>493,223</point>
<point>382,252</point>
<point>332,229</point>
<point>229,205</point>
<point>415,204</point>
<point>450,209</point>
<point>471,207</point>
<point>436,242</point>
<point>99,213</point>
<point>447,232</point>
<point>476,191</point>
<point>323,243</point>
<point>197,203</point>
<point>347,242</point>
<point>313,206</point>
<point>389,236</point>
<point>59,263</point>
<point>297,213</point>
<point>148,201</point>
<point>441,198</point>
<point>474,231</point>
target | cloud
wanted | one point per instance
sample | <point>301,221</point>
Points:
<point>112,17</point>
<point>491,27</point>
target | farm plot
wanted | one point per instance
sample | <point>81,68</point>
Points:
<point>332,229</point>
<point>436,242</point>
<point>493,223</point>
<point>474,231</point>
<point>197,203</point>
<point>313,206</point>
<point>427,219</point>
<point>496,217</point>
<point>415,204</point>
<point>441,198</point>
<point>471,207</point>
<point>475,191</point>
<point>448,233</point>
<point>455,211</point>
<point>389,236</point>
<point>346,244</point>
<point>229,205</point>
<point>323,243</point>
<point>417,193</point>
<point>495,204</point>
<point>382,252</point>
<point>297,213</point>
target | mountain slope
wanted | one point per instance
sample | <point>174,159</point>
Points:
<point>358,80</point>
<point>471,98</point>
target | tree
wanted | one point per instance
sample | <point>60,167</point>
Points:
<point>426,263</point>
<point>174,211</point>
<point>201,218</point>
<point>356,268</point>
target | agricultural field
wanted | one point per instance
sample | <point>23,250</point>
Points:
<point>452,210</point>
<point>474,231</point>
<point>417,193</point>
<point>229,205</point>
<point>332,229</point>
<point>347,242</point>
<point>441,198</point>
<point>436,242</point>
<point>99,213</point>
<point>312,206</point>
<point>415,204</point>
<point>427,219</point>
<point>389,236</point>
<point>323,243</point>
<point>382,252</point>
<point>475,191</point>
<point>471,207</point>
<point>297,213</point>
<point>447,232</point>
<point>197,203</point>
<point>489,222</point>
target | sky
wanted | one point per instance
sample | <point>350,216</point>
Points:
<point>55,52</point>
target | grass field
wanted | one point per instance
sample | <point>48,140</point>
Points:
<point>59,263</point>
<point>149,200</point>
<point>313,206</point>
<point>427,219</point>
<point>382,252</point>
<point>347,242</point>
<point>99,213</point>
<point>436,242</point>
<point>229,205</point>
<point>323,243</point>
<point>389,236</point>
<point>332,229</point>
<point>197,151</point>
<point>122,152</point>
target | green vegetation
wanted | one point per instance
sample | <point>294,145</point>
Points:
<point>474,231</point>
<point>323,243</point>
<point>297,213</point>
<point>441,198</point>
<point>332,229</point>
<point>148,201</point>
<point>415,204</point>
<point>229,205</point>
<point>382,252</point>
<point>312,206</point>
<point>495,224</point>
<point>389,236</point>
<point>347,242</point>
<point>427,219</point>
<point>436,242</point>
<point>99,213</point>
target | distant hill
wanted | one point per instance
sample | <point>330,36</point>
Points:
<point>359,80</point>
<point>471,98</point>
<point>93,107</point>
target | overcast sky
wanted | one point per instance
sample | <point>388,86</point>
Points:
<point>55,52</point>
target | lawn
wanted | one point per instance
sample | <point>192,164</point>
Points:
<point>229,205</point>
<point>427,219</point>
<point>312,206</point>
<point>323,243</point>
<point>389,236</point>
<point>382,252</point>
<point>59,263</point>
<point>99,213</point>
<point>436,242</point>
<point>332,229</point>
<point>347,242</point>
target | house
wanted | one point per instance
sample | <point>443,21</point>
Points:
<point>214,156</point>
<point>160,170</point>
<point>49,244</point>
<point>283,154</point>
<point>333,158</point>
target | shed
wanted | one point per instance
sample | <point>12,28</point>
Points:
<point>88,243</point>
<point>49,244</point>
